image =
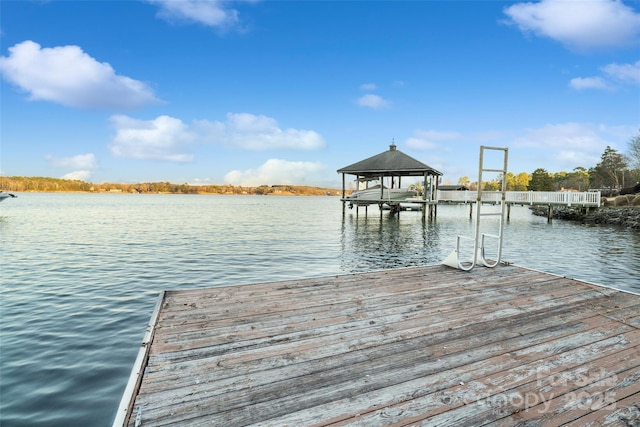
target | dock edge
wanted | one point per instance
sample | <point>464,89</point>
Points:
<point>135,378</point>
<point>587,282</point>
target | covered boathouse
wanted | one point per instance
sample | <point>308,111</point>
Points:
<point>393,164</point>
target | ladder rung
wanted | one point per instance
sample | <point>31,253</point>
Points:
<point>491,235</point>
<point>494,148</point>
<point>494,170</point>
<point>491,214</point>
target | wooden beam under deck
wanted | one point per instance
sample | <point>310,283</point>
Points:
<point>417,346</point>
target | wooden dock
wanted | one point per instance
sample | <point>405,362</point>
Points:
<point>428,346</point>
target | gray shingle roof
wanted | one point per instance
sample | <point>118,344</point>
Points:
<point>391,162</point>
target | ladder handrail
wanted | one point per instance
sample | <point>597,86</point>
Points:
<point>479,238</point>
<point>503,193</point>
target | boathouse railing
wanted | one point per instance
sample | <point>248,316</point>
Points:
<point>566,198</point>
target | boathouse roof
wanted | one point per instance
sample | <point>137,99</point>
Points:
<point>389,163</point>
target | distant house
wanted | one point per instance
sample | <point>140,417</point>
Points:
<point>452,188</point>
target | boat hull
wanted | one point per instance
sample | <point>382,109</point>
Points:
<point>377,196</point>
<point>4,196</point>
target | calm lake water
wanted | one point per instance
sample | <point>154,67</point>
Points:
<point>81,274</point>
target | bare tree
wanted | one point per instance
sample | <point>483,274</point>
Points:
<point>634,151</point>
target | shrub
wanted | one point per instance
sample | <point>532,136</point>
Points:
<point>621,201</point>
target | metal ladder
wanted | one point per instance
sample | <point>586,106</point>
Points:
<point>453,260</point>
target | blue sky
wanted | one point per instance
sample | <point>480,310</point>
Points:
<point>287,92</point>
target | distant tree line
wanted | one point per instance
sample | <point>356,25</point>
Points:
<point>45,184</point>
<point>614,172</point>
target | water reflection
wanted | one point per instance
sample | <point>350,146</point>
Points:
<point>595,253</point>
<point>383,240</point>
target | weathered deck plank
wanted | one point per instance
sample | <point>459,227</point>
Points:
<point>417,346</point>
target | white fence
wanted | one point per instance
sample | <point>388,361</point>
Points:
<point>585,198</point>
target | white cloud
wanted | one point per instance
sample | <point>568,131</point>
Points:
<point>276,171</point>
<point>200,181</point>
<point>368,86</point>
<point>569,144</point>
<point>168,139</point>
<point>258,132</point>
<point>68,76</point>
<point>85,163</point>
<point>580,83</point>
<point>430,139</point>
<point>629,73</point>
<point>78,175</point>
<point>579,24</point>
<point>212,13</point>
<point>567,135</point>
<point>372,101</point>
<point>164,138</point>
<point>80,161</point>
<point>613,73</point>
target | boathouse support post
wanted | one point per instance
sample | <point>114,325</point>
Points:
<point>344,194</point>
<point>428,195</point>
<point>550,214</point>
<point>508,212</point>
<point>435,195</point>
<point>425,196</point>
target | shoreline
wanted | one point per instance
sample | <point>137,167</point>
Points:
<point>622,211</point>
<point>320,192</point>
<point>20,184</point>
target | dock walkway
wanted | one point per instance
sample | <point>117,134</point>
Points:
<point>585,199</point>
<point>429,346</point>
<point>545,198</point>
